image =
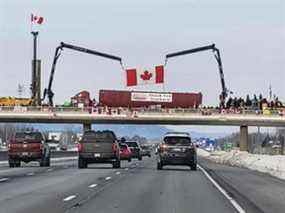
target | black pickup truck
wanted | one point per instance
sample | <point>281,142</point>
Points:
<point>98,147</point>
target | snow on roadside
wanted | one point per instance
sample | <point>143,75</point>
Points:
<point>272,164</point>
<point>203,153</point>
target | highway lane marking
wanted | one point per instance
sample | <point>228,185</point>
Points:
<point>227,196</point>
<point>126,169</point>
<point>31,174</point>
<point>108,178</point>
<point>49,170</point>
<point>4,179</point>
<point>71,197</point>
<point>92,185</point>
<point>117,173</point>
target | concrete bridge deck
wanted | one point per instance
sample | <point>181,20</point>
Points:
<point>178,117</point>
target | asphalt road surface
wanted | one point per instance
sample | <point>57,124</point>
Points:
<point>136,187</point>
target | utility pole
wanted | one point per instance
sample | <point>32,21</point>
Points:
<point>36,73</point>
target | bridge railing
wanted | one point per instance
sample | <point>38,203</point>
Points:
<point>141,111</point>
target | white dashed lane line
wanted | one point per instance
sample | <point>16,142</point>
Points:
<point>117,173</point>
<point>92,185</point>
<point>49,170</point>
<point>71,197</point>
<point>126,169</point>
<point>3,179</point>
<point>30,174</point>
<point>108,178</point>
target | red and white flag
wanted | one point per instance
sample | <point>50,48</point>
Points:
<point>145,76</point>
<point>37,19</point>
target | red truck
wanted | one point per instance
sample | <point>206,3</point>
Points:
<point>132,99</point>
<point>82,99</point>
<point>125,152</point>
<point>27,147</point>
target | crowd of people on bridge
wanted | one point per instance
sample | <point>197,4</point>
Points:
<point>258,104</point>
<point>253,103</point>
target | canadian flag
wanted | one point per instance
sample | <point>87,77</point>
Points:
<point>145,76</point>
<point>37,19</point>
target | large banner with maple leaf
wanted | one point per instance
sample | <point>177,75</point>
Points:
<point>145,76</point>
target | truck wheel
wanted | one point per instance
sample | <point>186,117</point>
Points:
<point>117,164</point>
<point>48,161</point>
<point>130,160</point>
<point>17,163</point>
<point>82,164</point>
<point>193,167</point>
<point>140,157</point>
<point>44,162</point>
<point>11,163</point>
<point>159,166</point>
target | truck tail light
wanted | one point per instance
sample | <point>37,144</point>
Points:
<point>11,144</point>
<point>114,147</point>
<point>41,146</point>
<point>79,147</point>
<point>163,147</point>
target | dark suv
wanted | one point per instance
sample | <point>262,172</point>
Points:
<point>177,149</point>
<point>135,149</point>
<point>26,147</point>
<point>146,150</point>
<point>98,147</point>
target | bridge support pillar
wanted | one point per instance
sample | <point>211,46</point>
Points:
<point>86,126</point>
<point>243,142</point>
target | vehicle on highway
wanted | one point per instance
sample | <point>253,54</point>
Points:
<point>98,147</point>
<point>146,150</point>
<point>27,147</point>
<point>135,149</point>
<point>63,147</point>
<point>125,152</point>
<point>53,145</point>
<point>177,149</point>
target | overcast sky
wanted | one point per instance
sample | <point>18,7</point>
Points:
<point>249,33</point>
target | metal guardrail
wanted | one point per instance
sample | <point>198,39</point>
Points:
<point>141,111</point>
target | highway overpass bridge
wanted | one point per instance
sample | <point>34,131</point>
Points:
<point>125,116</point>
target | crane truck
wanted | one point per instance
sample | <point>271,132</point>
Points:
<point>48,91</point>
<point>225,92</point>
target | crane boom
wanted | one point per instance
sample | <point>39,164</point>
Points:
<point>217,55</point>
<point>184,52</point>
<point>48,91</point>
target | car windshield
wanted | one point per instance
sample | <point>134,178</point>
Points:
<point>100,136</point>
<point>177,140</point>
<point>123,146</point>
<point>145,147</point>
<point>26,136</point>
<point>132,144</point>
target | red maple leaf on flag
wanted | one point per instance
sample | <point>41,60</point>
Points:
<point>146,76</point>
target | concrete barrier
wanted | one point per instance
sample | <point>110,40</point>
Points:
<point>54,154</point>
